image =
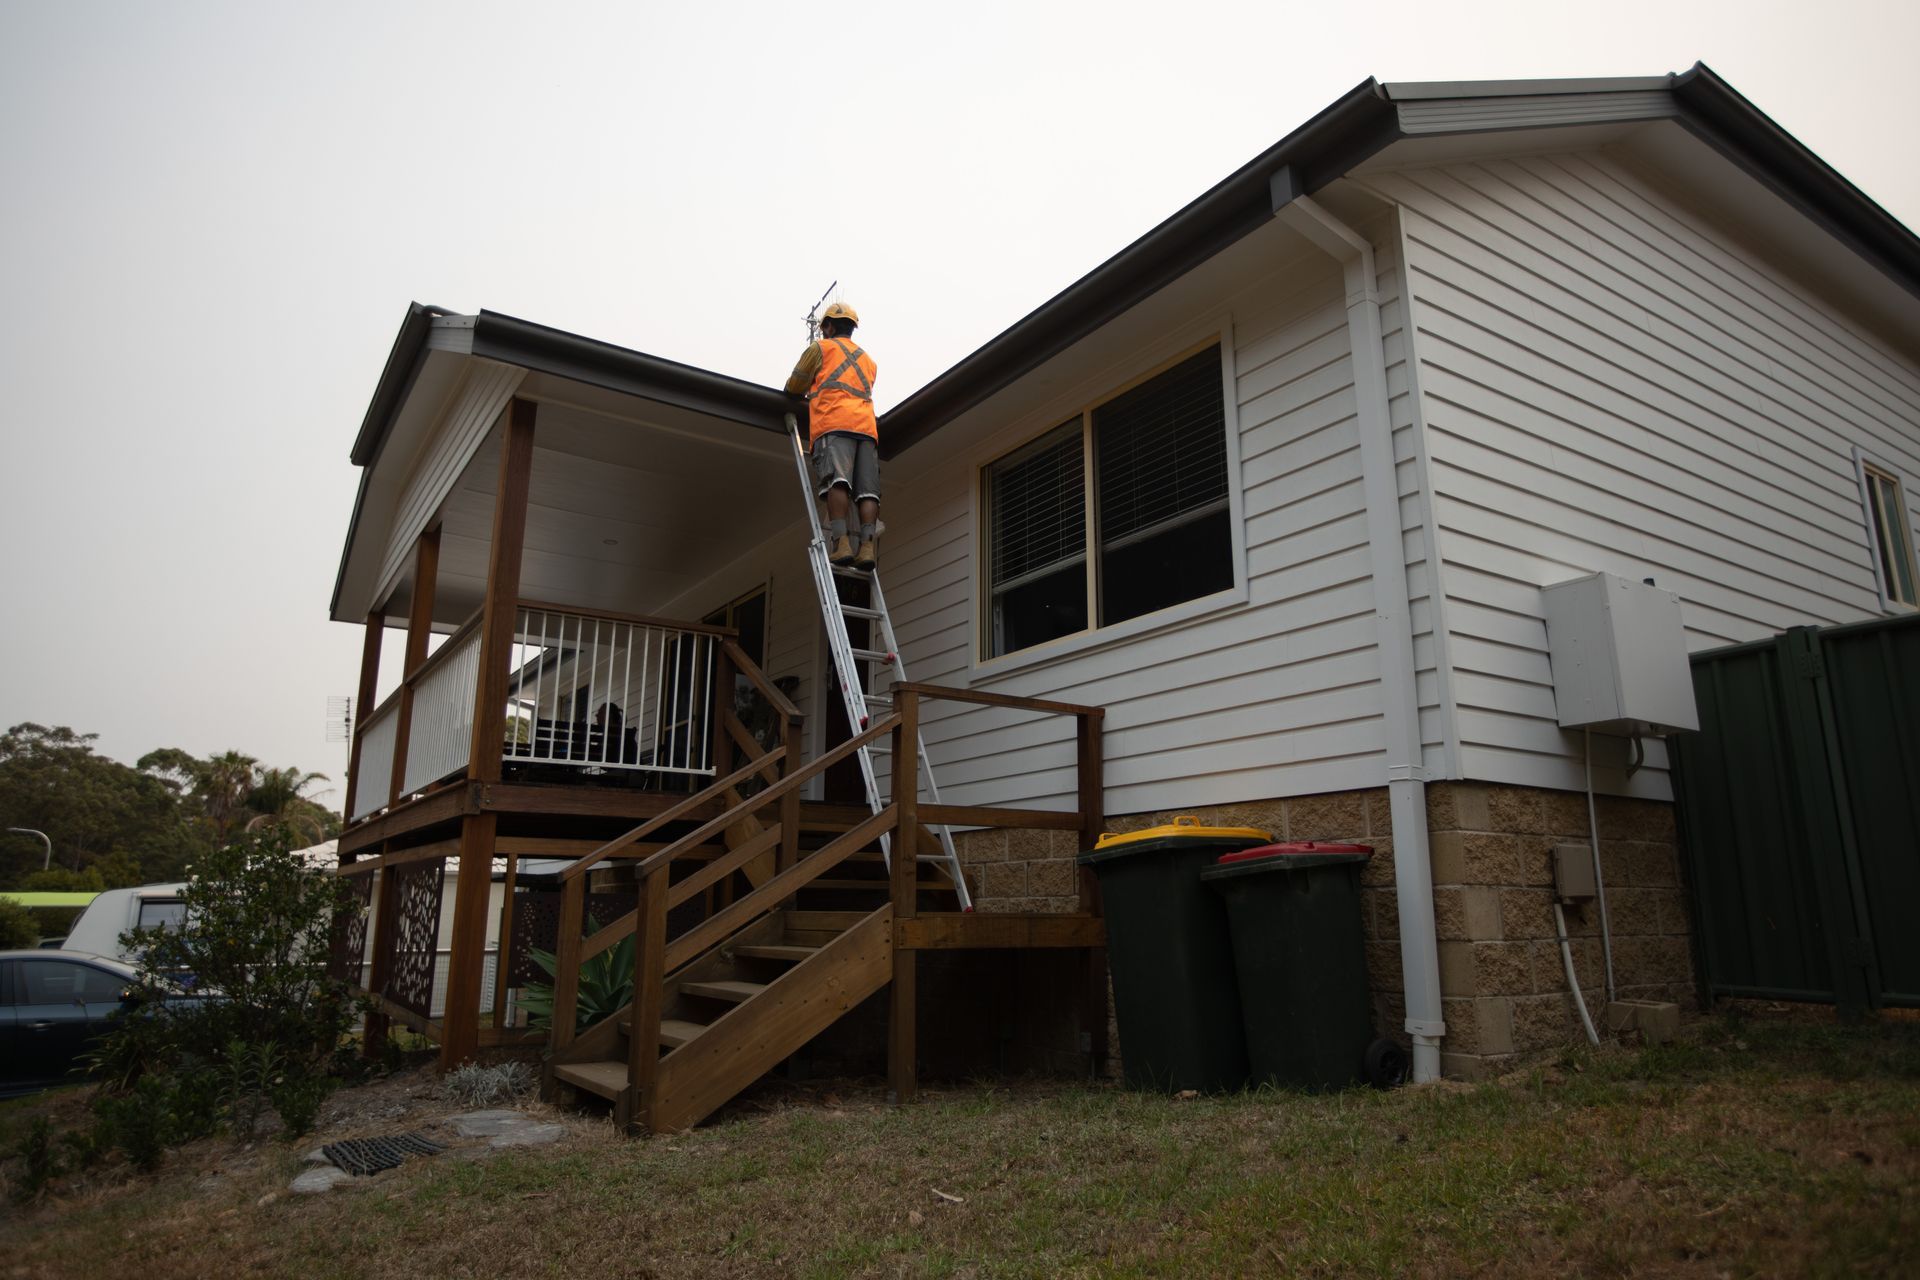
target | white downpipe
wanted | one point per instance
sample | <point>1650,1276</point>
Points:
<point>1406,771</point>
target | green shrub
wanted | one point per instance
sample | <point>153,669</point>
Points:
<point>39,1162</point>
<point>271,1029</point>
<point>18,928</point>
<point>606,984</point>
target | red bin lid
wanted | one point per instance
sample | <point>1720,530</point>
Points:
<point>1292,848</point>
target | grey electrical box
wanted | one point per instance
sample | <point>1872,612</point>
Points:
<point>1619,656</point>
<point>1573,872</point>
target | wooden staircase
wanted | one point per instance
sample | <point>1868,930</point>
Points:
<point>824,922</point>
<point>737,1012</point>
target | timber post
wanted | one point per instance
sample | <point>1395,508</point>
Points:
<point>460,1035</point>
<point>902,1034</point>
<point>1092,801</point>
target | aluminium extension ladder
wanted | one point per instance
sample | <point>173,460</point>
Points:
<point>847,662</point>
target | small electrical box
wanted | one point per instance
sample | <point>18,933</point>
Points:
<point>1573,873</point>
<point>1619,656</point>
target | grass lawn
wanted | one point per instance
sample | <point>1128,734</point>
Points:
<point>1752,1147</point>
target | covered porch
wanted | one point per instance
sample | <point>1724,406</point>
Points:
<point>556,531</point>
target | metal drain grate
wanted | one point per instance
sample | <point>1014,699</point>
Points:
<point>365,1156</point>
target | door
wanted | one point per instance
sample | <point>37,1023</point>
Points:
<point>61,1006</point>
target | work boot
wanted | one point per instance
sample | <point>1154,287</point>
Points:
<point>842,552</point>
<point>866,560</point>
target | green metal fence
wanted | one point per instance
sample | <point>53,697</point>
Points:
<point>1799,806</point>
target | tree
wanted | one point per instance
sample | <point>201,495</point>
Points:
<point>91,807</point>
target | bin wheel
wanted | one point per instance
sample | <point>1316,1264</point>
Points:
<point>1386,1065</point>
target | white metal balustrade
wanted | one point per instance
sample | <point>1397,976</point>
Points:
<point>440,738</point>
<point>607,693</point>
<point>376,760</point>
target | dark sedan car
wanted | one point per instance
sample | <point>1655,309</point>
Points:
<point>53,1005</point>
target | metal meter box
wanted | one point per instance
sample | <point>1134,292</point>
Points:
<point>1619,656</point>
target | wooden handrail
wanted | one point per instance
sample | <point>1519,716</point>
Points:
<point>999,700</point>
<point>782,705</point>
<point>586,862</point>
<point>737,730</point>
<point>636,619</point>
<point>793,781</point>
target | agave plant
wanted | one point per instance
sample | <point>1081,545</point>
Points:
<point>606,985</point>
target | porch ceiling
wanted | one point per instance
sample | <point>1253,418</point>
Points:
<point>631,503</point>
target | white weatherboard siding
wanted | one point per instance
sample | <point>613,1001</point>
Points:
<point>469,415</point>
<point>1608,384</point>
<point>1278,696</point>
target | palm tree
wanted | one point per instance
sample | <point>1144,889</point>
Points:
<point>275,800</point>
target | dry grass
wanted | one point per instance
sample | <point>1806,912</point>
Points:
<point>1754,1147</point>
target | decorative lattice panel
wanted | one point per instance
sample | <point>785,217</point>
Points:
<point>416,933</point>
<point>350,926</point>
<point>536,923</point>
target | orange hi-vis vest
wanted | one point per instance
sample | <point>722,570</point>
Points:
<point>842,394</point>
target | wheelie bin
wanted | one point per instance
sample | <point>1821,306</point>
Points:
<point>1293,911</point>
<point>1170,957</point>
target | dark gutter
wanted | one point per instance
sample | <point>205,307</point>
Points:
<point>403,363</point>
<point>1356,126</point>
<point>635,373</point>
<point>1716,113</point>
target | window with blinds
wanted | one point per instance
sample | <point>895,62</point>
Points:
<point>1161,532</point>
<point>1037,541</point>
<point>1160,476</point>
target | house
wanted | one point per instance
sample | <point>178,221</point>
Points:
<point>1254,520</point>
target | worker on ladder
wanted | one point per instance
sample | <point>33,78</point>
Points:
<point>836,377</point>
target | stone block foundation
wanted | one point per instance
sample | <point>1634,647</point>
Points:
<point>1503,987</point>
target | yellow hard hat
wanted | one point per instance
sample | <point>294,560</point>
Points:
<point>841,311</point>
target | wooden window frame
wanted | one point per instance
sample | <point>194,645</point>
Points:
<point>1868,469</point>
<point>986,665</point>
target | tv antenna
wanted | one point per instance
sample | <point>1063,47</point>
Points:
<point>813,322</point>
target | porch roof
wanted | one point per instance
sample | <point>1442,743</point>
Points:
<point>648,474</point>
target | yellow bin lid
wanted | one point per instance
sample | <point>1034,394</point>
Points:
<point>1187,825</point>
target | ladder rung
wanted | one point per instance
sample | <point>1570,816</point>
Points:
<point>884,699</point>
<point>873,655</point>
<point>859,611</point>
<point>848,571</point>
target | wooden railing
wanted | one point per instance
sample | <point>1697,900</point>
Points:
<point>594,691</point>
<point>657,956</point>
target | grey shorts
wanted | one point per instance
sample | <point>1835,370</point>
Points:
<point>850,459</point>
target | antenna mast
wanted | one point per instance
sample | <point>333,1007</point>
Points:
<point>813,323</point>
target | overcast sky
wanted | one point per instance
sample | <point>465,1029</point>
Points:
<point>215,215</point>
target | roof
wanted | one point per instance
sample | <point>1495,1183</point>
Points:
<point>1359,124</point>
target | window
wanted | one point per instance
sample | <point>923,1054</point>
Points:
<point>63,982</point>
<point>1156,532</point>
<point>1890,534</point>
<point>166,914</point>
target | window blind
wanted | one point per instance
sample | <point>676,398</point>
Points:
<point>1160,449</point>
<point>1039,506</point>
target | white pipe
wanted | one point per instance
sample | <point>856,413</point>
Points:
<point>1573,983</point>
<point>1599,881</point>
<point>1400,708</point>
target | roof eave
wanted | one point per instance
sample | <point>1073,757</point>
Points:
<point>1716,113</point>
<point>1354,127</point>
<point>542,349</point>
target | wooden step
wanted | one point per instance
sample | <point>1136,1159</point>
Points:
<point>877,884</point>
<point>775,951</point>
<point>608,1079</point>
<point>728,989</point>
<point>675,1032</point>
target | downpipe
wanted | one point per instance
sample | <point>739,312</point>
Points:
<point>1406,770</point>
